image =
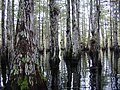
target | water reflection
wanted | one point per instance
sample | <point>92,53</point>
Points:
<point>73,69</point>
<point>85,74</point>
<point>115,72</point>
<point>95,77</point>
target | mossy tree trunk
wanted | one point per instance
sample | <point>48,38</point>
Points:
<point>25,74</point>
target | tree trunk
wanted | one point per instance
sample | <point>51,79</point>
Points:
<point>98,20</point>
<point>13,31</point>
<point>54,53</point>
<point>25,73</point>
<point>115,27</point>
<point>78,22</point>
<point>3,50</point>
<point>74,30</point>
<point>68,33</point>
<point>3,22</point>
<point>111,29</point>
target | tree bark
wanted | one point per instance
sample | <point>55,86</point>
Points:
<point>74,30</point>
<point>68,32</point>
<point>115,27</point>
<point>24,69</point>
<point>3,49</point>
<point>3,22</point>
<point>54,53</point>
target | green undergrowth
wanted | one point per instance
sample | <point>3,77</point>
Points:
<point>23,83</point>
<point>42,76</point>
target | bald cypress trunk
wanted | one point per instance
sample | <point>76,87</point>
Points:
<point>54,53</point>
<point>115,36</point>
<point>3,23</point>
<point>25,73</point>
<point>74,30</point>
<point>54,12</point>
<point>3,49</point>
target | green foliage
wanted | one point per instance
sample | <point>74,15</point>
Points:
<point>23,83</point>
<point>42,76</point>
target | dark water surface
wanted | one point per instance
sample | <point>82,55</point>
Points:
<point>84,76</point>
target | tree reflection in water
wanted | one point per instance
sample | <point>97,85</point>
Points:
<point>95,71</point>
<point>73,69</point>
<point>82,74</point>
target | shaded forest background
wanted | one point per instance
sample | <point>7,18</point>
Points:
<point>39,31</point>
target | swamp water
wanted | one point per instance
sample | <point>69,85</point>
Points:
<point>84,76</point>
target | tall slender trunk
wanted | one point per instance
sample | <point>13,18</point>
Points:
<point>74,30</point>
<point>54,53</point>
<point>111,30</point>
<point>9,37</point>
<point>3,22</point>
<point>13,26</point>
<point>115,27</point>
<point>54,12</point>
<point>98,22</point>
<point>3,50</point>
<point>68,30</point>
<point>78,21</point>
<point>91,17</point>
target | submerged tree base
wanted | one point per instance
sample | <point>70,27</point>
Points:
<point>19,82</point>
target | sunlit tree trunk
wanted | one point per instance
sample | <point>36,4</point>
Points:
<point>74,30</point>
<point>9,36</point>
<point>47,45</point>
